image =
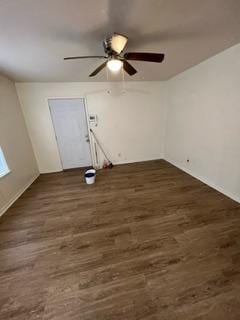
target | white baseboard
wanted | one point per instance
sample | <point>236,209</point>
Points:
<point>17,195</point>
<point>136,161</point>
<point>116,163</point>
<point>204,180</point>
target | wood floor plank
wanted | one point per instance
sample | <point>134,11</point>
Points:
<point>146,241</point>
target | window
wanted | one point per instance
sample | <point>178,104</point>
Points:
<point>3,165</point>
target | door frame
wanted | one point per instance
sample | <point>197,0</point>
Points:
<point>91,145</point>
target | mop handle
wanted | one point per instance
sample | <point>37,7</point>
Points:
<point>98,143</point>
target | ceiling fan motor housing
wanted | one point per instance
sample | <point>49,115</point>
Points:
<point>107,45</point>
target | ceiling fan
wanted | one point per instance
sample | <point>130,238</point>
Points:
<point>113,47</point>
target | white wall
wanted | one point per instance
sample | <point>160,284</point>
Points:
<point>131,124</point>
<point>203,122</point>
<point>16,145</point>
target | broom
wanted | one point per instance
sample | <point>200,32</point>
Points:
<point>109,165</point>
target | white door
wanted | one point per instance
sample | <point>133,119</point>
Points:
<point>70,125</point>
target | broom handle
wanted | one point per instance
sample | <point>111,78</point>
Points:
<point>98,143</point>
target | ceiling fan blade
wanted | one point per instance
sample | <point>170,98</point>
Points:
<point>144,56</point>
<point>129,68</point>
<point>85,57</point>
<point>98,69</point>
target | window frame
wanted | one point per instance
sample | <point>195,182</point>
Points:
<point>5,165</point>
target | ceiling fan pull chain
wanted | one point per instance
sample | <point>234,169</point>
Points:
<point>123,80</point>
<point>108,90</point>
<point>107,73</point>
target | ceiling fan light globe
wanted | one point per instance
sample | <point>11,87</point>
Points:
<point>118,42</point>
<point>114,65</point>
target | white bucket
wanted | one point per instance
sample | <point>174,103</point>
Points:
<point>90,176</point>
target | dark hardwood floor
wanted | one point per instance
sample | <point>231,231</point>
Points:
<point>147,241</point>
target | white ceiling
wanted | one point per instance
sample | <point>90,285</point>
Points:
<point>36,34</point>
